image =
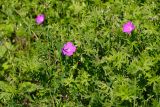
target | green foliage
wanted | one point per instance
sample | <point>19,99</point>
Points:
<point>109,68</point>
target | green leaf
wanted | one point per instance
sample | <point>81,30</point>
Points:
<point>2,50</point>
<point>27,87</point>
<point>4,86</point>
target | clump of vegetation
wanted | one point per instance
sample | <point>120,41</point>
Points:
<point>79,53</point>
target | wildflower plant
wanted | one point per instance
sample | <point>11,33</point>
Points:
<point>128,27</point>
<point>68,49</point>
<point>40,18</point>
<point>105,68</point>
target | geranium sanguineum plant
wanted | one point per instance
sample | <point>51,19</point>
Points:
<point>128,27</point>
<point>68,49</point>
<point>40,18</point>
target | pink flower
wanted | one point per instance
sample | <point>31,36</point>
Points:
<point>40,19</point>
<point>68,49</point>
<point>128,27</point>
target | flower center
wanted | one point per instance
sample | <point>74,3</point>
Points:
<point>129,28</point>
<point>67,50</point>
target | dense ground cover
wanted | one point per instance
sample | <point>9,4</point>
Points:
<point>108,68</point>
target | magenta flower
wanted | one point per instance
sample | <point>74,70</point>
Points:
<point>128,27</point>
<point>68,49</point>
<point>40,18</point>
